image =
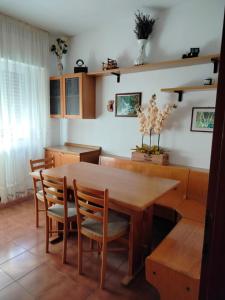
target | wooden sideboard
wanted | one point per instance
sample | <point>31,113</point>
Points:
<point>72,153</point>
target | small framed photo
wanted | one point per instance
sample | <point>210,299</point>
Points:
<point>126,104</point>
<point>202,119</point>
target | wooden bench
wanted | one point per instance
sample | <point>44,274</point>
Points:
<point>174,266</point>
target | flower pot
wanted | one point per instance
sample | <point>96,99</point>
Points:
<point>141,54</point>
<point>158,159</point>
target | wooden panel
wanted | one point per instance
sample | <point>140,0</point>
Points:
<point>181,250</point>
<point>198,186</point>
<point>170,284</point>
<point>88,97</point>
<point>190,88</point>
<point>193,210</point>
<point>57,156</point>
<point>69,158</point>
<point>71,153</point>
<point>159,65</point>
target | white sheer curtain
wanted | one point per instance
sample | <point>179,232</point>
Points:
<point>24,92</point>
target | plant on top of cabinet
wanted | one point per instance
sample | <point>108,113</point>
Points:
<point>151,121</point>
<point>59,48</point>
<point>143,29</point>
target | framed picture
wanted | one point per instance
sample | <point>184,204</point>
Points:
<point>202,119</point>
<point>126,104</point>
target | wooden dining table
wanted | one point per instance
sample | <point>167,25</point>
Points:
<point>130,193</point>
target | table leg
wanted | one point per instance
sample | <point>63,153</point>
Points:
<point>139,242</point>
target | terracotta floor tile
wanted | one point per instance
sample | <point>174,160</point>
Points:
<point>21,265</point>
<point>15,292</point>
<point>43,276</point>
<point>42,279</point>
<point>9,250</point>
<point>4,279</point>
<point>67,289</point>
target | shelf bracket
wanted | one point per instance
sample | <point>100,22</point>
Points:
<point>215,62</point>
<point>180,94</point>
<point>117,75</point>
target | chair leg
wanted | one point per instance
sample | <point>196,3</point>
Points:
<point>64,242</point>
<point>103,267</point>
<point>50,226</point>
<point>47,235</point>
<point>80,253</point>
<point>36,211</point>
<point>36,203</point>
<point>91,244</point>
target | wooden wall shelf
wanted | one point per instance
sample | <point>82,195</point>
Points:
<point>211,58</point>
<point>181,89</point>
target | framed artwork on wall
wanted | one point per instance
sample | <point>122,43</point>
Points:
<point>202,119</point>
<point>126,104</point>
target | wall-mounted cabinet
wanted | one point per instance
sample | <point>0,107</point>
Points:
<point>72,96</point>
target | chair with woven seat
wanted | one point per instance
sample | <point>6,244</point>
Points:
<point>97,222</point>
<point>57,207</point>
<point>37,165</point>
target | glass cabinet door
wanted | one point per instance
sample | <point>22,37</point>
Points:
<point>55,97</point>
<point>72,97</point>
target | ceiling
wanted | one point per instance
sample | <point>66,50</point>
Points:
<point>70,17</point>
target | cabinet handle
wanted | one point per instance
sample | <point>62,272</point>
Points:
<point>154,273</point>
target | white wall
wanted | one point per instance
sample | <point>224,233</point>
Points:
<point>191,24</point>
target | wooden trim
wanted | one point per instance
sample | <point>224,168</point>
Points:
<point>159,65</point>
<point>15,202</point>
<point>190,88</point>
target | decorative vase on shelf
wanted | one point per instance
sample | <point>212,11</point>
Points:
<point>141,52</point>
<point>59,66</point>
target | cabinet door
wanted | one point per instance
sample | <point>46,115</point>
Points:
<point>56,108</point>
<point>57,156</point>
<point>72,96</point>
<point>70,158</point>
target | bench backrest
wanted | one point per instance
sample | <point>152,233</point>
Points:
<point>149,169</point>
<point>198,186</point>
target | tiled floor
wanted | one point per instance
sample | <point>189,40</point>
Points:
<point>26,272</point>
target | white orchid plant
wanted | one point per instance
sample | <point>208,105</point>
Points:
<point>151,121</point>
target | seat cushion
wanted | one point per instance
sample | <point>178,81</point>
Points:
<point>40,195</point>
<point>58,210</point>
<point>35,174</point>
<point>117,224</point>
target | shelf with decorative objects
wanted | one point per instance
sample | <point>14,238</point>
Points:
<point>210,58</point>
<point>181,89</point>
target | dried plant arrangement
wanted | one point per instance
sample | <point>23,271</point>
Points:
<point>143,25</point>
<point>59,48</point>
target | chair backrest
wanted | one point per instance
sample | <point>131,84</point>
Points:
<point>54,191</point>
<point>92,204</point>
<point>43,163</point>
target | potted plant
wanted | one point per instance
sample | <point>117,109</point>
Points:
<point>59,48</point>
<point>151,121</point>
<point>143,29</point>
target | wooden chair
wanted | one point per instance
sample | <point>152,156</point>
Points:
<point>57,207</point>
<point>36,166</point>
<point>97,222</point>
